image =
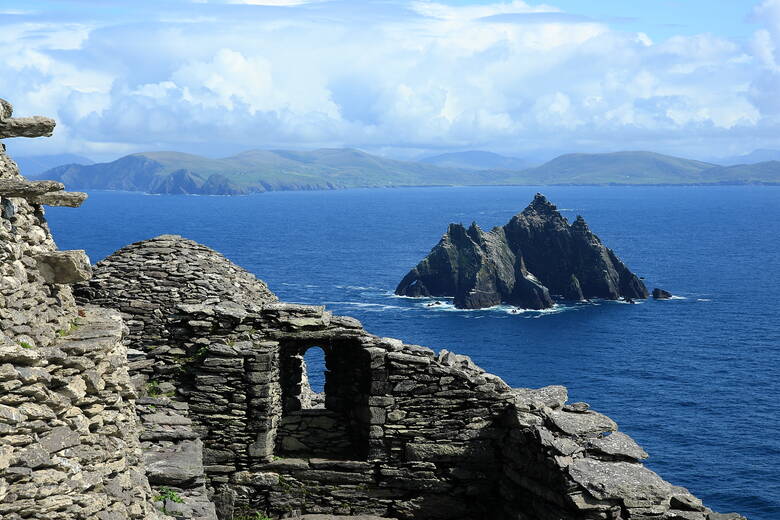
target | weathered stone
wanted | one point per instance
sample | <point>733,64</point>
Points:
<point>581,423</point>
<point>179,465</point>
<point>618,444</point>
<point>535,399</point>
<point>64,267</point>
<point>631,483</point>
<point>69,199</point>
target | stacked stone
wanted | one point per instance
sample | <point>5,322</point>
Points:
<point>68,430</point>
<point>157,275</point>
<point>31,309</point>
<point>35,301</point>
<point>173,458</point>
<point>69,446</point>
<point>415,434</point>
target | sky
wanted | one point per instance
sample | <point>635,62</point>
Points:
<point>402,78</point>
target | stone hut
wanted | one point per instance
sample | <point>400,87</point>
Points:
<point>405,432</point>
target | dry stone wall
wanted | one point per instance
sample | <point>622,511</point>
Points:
<point>69,445</point>
<point>32,309</point>
<point>405,432</point>
<point>69,433</point>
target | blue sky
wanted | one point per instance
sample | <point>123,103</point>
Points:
<point>398,77</point>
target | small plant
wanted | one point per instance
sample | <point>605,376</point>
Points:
<point>167,493</point>
<point>153,389</point>
<point>24,344</point>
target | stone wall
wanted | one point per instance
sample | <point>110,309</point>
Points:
<point>69,433</point>
<point>31,310</point>
<point>69,445</point>
<point>405,432</point>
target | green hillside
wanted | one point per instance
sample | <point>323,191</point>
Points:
<point>618,168</point>
<point>335,168</point>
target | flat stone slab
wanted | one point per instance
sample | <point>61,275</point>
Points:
<point>633,484</point>
<point>178,465</point>
<point>25,189</point>
<point>535,398</point>
<point>67,199</point>
<point>576,423</point>
<point>618,444</point>
<point>35,126</point>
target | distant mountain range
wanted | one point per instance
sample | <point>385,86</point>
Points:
<point>335,168</point>
<point>756,156</point>
<point>477,160</point>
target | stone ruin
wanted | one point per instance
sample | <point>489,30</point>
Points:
<point>174,386</point>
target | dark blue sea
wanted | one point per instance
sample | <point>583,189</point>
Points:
<point>694,379</point>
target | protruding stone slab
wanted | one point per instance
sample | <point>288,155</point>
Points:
<point>633,484</point>
<point>28,189</point>
<point>36,126</point>
<point>65,267</point>
<point>68,199</point>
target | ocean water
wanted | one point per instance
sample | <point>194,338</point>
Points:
<point>694,379</point>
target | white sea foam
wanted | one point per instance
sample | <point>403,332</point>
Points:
<point>368,306</point>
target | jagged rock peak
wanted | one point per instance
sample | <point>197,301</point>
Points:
<point>540,204</point>
<point>536,255</point>
<point>159,274</point>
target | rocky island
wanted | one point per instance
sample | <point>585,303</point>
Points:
<point>173,386</point>
<point>528,262</point>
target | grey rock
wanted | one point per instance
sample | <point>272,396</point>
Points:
<point>64,267</point>
<point>581,424</point>
<point>177,465</point>
<point>633,484</point>
<point>618,444</point>
<point>538,253</point>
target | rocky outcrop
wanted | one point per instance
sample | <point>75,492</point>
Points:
<point>537,257</point>
<point>661,294</point>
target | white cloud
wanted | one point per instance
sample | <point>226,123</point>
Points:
<point>507,76</point>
